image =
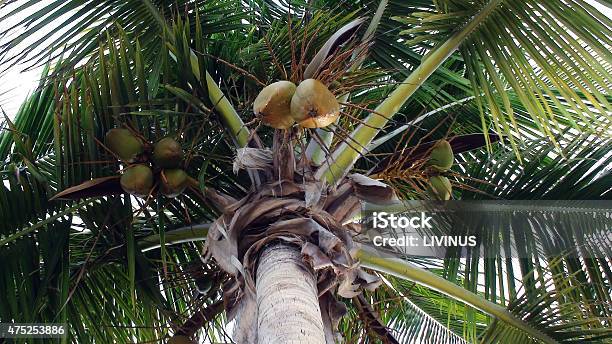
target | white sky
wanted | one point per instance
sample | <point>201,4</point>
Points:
<point>17,84</point>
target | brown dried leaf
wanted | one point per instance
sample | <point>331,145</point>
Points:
<point>252,158</point>
<point>312,193</point>
<point>332,311</point>
<point>242,306</point>
<point>304,227</point>
<point>371,190</point>
<point>260,210</point>
<point>97,187</point>
<point>219,200</point>
<point>315,257</point>
<point>221,246</point>
<point>281,188</point>
<point>368,281</point>
<point>328,242</point>
<point>347,288</point>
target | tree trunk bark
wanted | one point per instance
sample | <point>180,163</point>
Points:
<point>287,300</point>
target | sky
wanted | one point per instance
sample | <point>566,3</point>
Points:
<point>16,84</point>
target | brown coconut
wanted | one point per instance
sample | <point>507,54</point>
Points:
<point>313,105</point>
<point>273,104</point>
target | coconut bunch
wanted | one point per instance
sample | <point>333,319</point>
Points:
<point>310,104</point>
<point>440,160</point>
<point>148,164</point>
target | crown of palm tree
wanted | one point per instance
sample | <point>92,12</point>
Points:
<point>519,89</point>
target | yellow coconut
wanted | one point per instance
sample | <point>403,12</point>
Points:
<point>439,188</point>
<point>441,157</point>
<point>313,105</point>
<point>180,340</point>
<point>273,104</point>
<point>137,180</point>
<point>124,144</point>
<point>173,182</point>
<point>167,153</point>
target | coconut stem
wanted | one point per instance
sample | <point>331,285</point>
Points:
<point>284,155</point>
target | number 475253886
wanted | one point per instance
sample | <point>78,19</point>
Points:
<point>32,330</point>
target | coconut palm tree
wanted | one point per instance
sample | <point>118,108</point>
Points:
<point>260,236</point>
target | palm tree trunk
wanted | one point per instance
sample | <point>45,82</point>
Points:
<point>287,300</point>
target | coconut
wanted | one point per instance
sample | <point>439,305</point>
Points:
<point>173,182</point>
<point>180,340</point>
<point>273,104</point>
<point>137,180</point>
<point>313,105</point>
<point>124,144</point>
<point>441,157</point>
<point>439,188</point>
<point>167,153</point>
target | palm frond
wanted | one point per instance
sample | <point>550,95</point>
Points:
<point>477,26</point>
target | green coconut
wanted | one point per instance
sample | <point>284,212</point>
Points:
<point>173,182</point>
<point>313,105</point>
<point>441,157</point>
<point>124,144</point>
<point>167,153</point>
<point>439,188</point>
<point>273,104</point>
<point>137,180</point>
<point>180,340</point>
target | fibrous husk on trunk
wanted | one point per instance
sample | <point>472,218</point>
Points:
<point>307,215</point>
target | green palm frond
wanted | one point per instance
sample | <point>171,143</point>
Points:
<point>545,174</point>
<point>74,26</point>
<point>415,314</point>
<point>478,26</point>
<point>555,306</point>
<point>534,48</point>
<point>55,142</point>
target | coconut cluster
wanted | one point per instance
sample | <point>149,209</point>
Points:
<point>310,104</point>
<point>440,160</point>
<point>146,167</point>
